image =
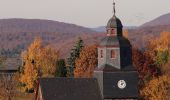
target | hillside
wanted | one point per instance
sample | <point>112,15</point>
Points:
<point>152,29</point>
<point>163,20</point>
<point>103,28</point>
<point>17,34</point>
<point>38,25</point>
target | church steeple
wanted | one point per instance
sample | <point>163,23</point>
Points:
<point>114,25</point>
<point>115,72</point>
<point>114,50</point>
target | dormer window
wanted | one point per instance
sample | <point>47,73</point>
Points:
<point>101,53</point>
<point>113,54</point>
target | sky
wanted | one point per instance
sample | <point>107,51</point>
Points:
<point>88,13</point>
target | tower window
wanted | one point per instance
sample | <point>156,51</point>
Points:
<point>113,31</point>
<point>101,53</point>
<point>113,54</point>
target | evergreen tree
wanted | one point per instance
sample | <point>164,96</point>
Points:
<point>75,52</point>
<point>61,68</point>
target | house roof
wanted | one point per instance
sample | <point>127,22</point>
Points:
<point>70,89</point>
<point>10,65</point>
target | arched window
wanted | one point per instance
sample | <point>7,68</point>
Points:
<point>101,53</point>
<point>113,54</point>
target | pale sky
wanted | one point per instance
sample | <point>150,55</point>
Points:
<point>89,13</point>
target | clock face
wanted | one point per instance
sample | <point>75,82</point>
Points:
<point>121,84</point>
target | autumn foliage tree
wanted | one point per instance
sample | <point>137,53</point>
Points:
<point>38,61</point>
<point>144,64</point>
<point>87,62</point>
<point>7,86</point>
<point>158,49</point>
<point>157,89</point>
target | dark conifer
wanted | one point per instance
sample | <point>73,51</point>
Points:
<point>75,52</point>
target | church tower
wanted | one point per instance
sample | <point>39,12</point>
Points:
<point>115,72</point>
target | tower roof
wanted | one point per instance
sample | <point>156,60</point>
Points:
<point>114,41</point>
<point>114,22</point>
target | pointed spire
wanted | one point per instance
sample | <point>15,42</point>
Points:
<point>114,11</point>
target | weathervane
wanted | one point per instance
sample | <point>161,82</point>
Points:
<point>114,11</point>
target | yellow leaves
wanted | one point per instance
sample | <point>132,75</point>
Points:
<point>157,88</point>
<point>38,61</point>
<point>35,48</point>
<point>29,77</point>
<point>87,61</point>
<point>161,43</point>
<point>48,58</point>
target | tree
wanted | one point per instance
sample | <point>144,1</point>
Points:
<point>38,61</point>
<point>157,89</point>
<point>75,52</point>
<point>159,48</point>
<point>144,64</point>
<point>126,33</point>
<point>166,69</point>
<point>48,57</point>
<point>61,68</point>
<point>87,62</point>
<point>7,86</point>
<point>138,61</point>
<point>162,57</point>
<point>157,56</point>
<point>30,77</point>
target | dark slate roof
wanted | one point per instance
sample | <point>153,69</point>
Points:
<point>114,22</point>
<point>114,41</point>
<point>109,68</point>
<point>70,89</point>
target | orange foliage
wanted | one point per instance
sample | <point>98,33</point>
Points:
<point>126,33</point>
<point>30,76</point>
<point>157,89</point>
<point>159,44</point>
<point>47,60</point>
<point>38,61</point>
<point>87,61</point>
<point>166,68</point>
<point>143,64</point>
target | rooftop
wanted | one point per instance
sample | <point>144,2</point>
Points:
<point>70,89</point>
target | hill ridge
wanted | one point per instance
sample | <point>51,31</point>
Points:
<point>40,25</point>
<point>159,21</point>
